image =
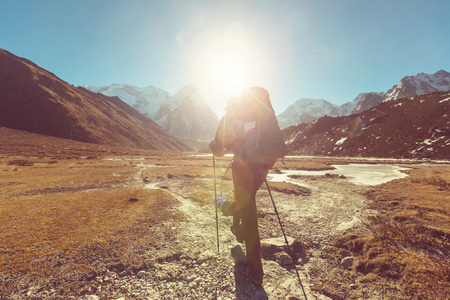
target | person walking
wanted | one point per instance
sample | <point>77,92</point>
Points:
<point>243,116</point>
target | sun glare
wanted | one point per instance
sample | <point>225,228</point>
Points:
<point>228,71</point>
<point>224,68</point>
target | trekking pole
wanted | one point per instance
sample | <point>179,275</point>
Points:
<point>223,177</point>
<point>285,239</point>
<point>215,201</point>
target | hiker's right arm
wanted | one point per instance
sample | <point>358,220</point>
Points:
<point>223,141</point>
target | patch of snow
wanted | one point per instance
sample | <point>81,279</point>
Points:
<point>429,142</point>
<point>361,174</point>
<point>341,141</point>
<point>446,99</point>
<point>293,138</point>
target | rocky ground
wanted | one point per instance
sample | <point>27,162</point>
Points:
<point>316,211</point>
<point>198,271</point>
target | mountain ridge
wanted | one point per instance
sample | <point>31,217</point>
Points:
<point>36,100</point>
<point>186,115</point>
<point>409,86</point>
<point>417,127</point>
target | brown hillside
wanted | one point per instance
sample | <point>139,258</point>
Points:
<point>35,100</point>
<point>417,127</point>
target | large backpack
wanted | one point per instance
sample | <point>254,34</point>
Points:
<point>263,142</point>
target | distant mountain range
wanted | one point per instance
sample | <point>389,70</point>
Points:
<point>410,120</point>
<point>417,127</point>
<point>35,100</point>
<point>186,115</point>
<point>308,110</point>
<point>146,100</point>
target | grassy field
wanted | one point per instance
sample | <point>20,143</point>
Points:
<point>65,220</point>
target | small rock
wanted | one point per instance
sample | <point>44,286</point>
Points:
<point>33,290</point>
<point>205,256</point>
<point>277,171</point>
<point>88,297</point>
<point>283,259</point>
<point>271,246</point>
<point>123,274</point>
<point>141,274</point>
<point>134,199</point>
<point>347,261</point>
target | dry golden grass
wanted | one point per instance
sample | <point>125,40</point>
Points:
<point>16,179</point>
<point>38,226</point>
<point>288,188</point>
<point>63,220</point>
<point>69,220</point>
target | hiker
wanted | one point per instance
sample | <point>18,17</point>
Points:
<point>248,176</point>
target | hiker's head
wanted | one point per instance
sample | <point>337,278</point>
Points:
<point>256,98</point>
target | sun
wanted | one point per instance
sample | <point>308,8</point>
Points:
<point>224,68</point>
<point>228,71</point>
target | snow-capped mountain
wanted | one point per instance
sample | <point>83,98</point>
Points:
<point>420,84</point>
<point>402,128</point>
<point>365,101</point>
<point>186,115</point>
<point>306,110</point>
<point>146,100</point>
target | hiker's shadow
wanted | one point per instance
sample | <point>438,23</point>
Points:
<point>245,289</point>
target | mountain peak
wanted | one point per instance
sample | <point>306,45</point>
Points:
<point>185,115</point>
<point>306,110</point>
<point>420,84</point>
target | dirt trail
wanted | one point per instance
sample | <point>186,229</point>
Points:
<point>334,205</point>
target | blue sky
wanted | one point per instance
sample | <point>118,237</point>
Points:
<point>330,50</point>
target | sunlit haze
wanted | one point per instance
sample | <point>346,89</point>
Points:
<point>226,66</point>
<point>330,50</point>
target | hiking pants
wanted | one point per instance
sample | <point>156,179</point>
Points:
<point>247,180</point>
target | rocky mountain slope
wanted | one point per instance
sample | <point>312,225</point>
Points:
<point>417,127</point>
<point>409,86</point>
<point>365,101</point>
<point>35,100</point>
<point>185,115</point>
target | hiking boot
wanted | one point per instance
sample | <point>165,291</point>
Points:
<point>242,268</point>
<point>238,233</point>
